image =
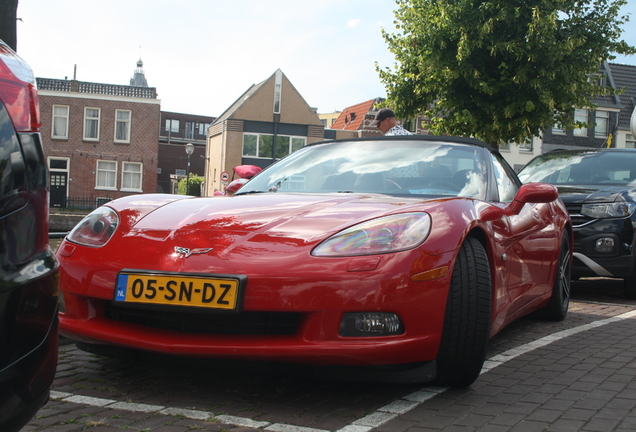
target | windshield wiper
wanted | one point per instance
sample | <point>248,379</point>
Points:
<point>250,192</point>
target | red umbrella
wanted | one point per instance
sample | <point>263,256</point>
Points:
<point>247,171</point>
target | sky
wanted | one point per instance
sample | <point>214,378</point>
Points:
<point>201,55</point>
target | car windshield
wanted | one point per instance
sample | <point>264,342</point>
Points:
<point>594,168</point>
<point>389,167</point>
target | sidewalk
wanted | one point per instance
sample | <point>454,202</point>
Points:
<point>585,381</point>
<point>574,375</point>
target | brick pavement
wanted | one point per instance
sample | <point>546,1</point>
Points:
<point>581,382</point>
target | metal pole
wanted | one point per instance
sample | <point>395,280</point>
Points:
<point>189,148</point>
<point>188,177</point>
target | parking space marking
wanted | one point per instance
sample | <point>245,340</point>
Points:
<point>193,414</point>
<point>279,427</point>
<point>365,424</point>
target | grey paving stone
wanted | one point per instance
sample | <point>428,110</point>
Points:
<point>563,425</point>
<point>600,425</point>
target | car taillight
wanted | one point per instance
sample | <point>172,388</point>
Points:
<point>18,91</point>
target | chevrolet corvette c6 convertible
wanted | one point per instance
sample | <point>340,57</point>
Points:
<point>397,254</point>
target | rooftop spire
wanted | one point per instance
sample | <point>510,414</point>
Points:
<point>139,79</point>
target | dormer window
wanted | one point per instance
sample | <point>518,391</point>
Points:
<point>598,79</point>
<point>601,81</point>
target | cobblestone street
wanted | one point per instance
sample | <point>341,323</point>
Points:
<point>541,374</point>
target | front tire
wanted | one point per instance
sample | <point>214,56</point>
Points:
<point>466,330</point>
<point>629,285</point>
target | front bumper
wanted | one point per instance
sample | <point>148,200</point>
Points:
<point>589,262</point>
<point>314,303</point>
<point>316,340</point>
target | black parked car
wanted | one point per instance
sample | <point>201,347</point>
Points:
<point>598,187</point>
<point>28,268</point>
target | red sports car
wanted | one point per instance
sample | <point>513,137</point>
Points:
<point>405,252</point>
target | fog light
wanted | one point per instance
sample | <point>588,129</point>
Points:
<point>362,324</point>
<point>605,244</point>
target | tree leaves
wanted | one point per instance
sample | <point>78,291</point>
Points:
<point>499,70</point>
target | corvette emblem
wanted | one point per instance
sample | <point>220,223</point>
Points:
<point>187,252</point>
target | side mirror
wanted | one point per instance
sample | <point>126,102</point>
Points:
<point>533,193</point>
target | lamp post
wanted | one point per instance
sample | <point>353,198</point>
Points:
<point>189,149</point>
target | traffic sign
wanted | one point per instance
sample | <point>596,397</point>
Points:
<point>225,176</point>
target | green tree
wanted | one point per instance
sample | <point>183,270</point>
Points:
<point>500,70</point>
<point>193,185</point>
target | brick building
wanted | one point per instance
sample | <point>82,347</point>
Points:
<point>177,130</point>
<point>101,140</point>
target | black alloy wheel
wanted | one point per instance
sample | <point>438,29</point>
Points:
<point>557,308</point>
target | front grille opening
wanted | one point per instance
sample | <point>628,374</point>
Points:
<point>244,323</point>
<point>575,214</point>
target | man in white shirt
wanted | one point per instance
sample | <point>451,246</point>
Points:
<point>387,123</point>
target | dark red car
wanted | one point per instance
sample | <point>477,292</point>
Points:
<point>406,253</point>
<point>28,268</point>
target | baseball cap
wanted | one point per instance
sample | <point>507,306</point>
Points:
<point>382,114</point>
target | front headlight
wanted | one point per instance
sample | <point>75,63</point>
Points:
<point>387,234</point>
<point>610,210</point>
<point>95,229</point>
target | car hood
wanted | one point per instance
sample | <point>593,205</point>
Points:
<point>305,218</point>
<point>594,194</point>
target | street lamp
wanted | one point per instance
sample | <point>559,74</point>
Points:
<point>189,148</point>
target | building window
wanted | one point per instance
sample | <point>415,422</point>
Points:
<point>172,125</point>
<point>278,84</point>
<point>599,79</point>
<point>131,176</point>
<point>504,147</point>
<point>203,128</point>
<point>250,144</point>
<point>556,130</point>
<point>297,143</point>
<point>91,124</point>
<point>630,141</point>
<point>601,127</point>
<point>58,164</point>
<point>189,130</point>
<point>256,145</point>
<point>526,145</point>
<point>260,145</point>
<point>580,115</point>
<point>106,175</point>
<point>265,144</point>
<point>122,126</point>
<point>60,122</point>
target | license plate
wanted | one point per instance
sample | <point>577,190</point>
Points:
<point>179,290</point>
